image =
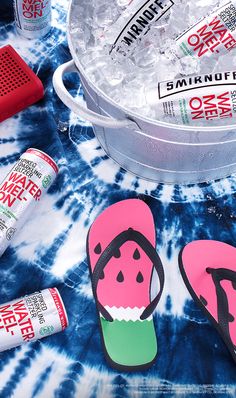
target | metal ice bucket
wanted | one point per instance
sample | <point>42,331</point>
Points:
<point>151,149</point>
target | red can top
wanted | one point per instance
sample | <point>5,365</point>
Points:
<point>44,156</point>
<point>60,307</point>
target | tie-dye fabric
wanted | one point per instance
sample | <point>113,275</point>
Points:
<point>50,251</point>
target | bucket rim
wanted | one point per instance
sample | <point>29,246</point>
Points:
<point>132,115</point>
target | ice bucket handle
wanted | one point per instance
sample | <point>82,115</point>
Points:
<point>77,107</point>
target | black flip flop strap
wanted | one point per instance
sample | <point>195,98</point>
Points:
<point>111,249</point>
<point>219,274</point>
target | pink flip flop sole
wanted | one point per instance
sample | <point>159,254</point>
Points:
<point>209,271</point>
<point>130,263</point>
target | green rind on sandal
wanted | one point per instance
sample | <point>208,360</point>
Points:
<point>130,343</point>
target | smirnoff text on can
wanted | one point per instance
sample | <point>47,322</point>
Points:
<point>134,23</point>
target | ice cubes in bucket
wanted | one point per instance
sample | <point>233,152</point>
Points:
<point>130,74</point>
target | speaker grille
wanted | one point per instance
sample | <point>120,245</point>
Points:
<point>12,76</point>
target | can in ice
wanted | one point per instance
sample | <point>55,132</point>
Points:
<point>20,191</point>
<point>134,23</point>
<point>32,17</point>
<point>213,35</point>
<point>31,318</point>
<point>196,99</point>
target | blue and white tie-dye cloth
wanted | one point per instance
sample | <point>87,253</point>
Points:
<point>50,251</point>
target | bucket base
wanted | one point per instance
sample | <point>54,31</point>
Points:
<point>165,176</point>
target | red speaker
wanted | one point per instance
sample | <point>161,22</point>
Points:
<point>19,86</point>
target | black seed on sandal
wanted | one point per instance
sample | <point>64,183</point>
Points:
<point>117,253</point>
<point>120,277</point>
<point>231,318</point>
<point>139,278</point>
<point>234,285</point>
<point>203,300</point>
<point>102,275</point>
<point>136,255</point>
<point>98,249</point>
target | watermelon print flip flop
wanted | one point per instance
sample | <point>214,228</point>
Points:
<point>122,258</point>
<point>208,268</point>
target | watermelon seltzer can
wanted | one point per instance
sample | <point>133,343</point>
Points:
<point>31,318</point>
<point>32,17</point>
<point>22,189</point>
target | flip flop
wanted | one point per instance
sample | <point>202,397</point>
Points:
<point>208,268</point>
<point>122,257</point>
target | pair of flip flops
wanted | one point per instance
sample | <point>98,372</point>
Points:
<point>122,259</point>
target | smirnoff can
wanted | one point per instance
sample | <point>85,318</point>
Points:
<point>31,318</point>
<point>213,35</point>
<point>134,23</point>
<point>32,17</point>
<point>22,189</point>
<point>194,99</point>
